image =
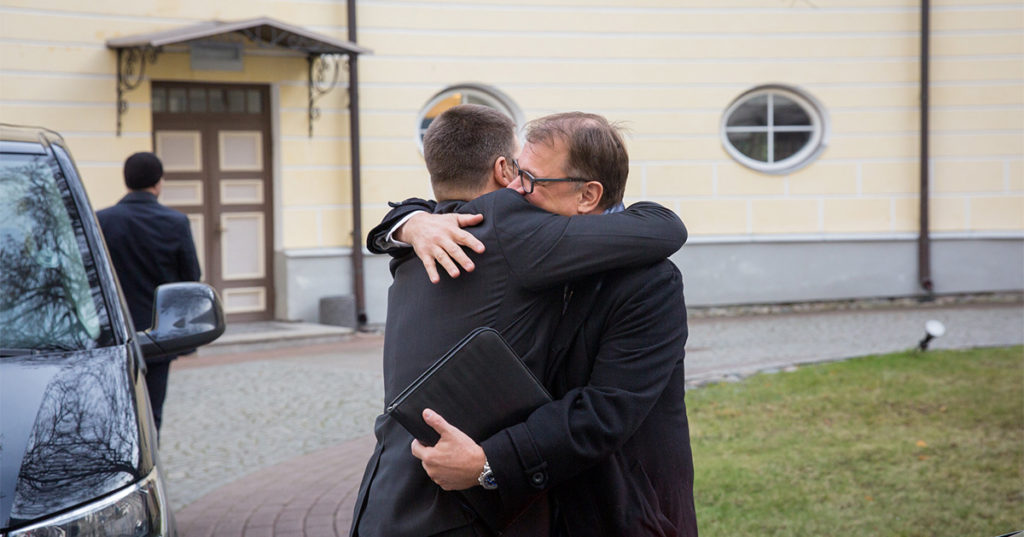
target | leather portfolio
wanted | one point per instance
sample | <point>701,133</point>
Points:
<point>480,386</point>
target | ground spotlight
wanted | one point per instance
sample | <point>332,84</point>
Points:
<point>932,330</point>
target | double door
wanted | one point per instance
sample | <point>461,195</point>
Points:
<point>214,141</point>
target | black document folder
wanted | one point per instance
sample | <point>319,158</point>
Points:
<point>480,386</point>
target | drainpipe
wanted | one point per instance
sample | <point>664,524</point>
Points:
<point>358,285</point>
<point>924,263</point>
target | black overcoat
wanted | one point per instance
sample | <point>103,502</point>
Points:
<point>614,446</point>
<point>149,245</point>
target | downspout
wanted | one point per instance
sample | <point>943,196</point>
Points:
<point>924,263</point>
<point>358,285</point>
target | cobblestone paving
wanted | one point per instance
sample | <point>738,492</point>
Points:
<point>222,422</point>
<point>287,413</point>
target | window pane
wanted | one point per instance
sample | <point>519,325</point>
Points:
<point>751,144</point>
<point>49,292</point>
<point>177,101</point>
<point>788,143</point>
<point>217,104</point>
<point>197,100</point>
<point>472,98</point>
<point>255,106</point>
<point>236,101</point>
<point>752,113</point>
<point>788,112</point>
<point>159,100</point>
<point>439,108</point>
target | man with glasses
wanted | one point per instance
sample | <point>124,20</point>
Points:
<point>517,287</point>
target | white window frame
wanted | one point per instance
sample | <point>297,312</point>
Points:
<point>494,98</point>
<point>819,130</point>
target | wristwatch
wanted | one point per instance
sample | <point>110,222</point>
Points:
<point>486,478</point>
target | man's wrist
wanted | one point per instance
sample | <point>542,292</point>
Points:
<point>391,239</point>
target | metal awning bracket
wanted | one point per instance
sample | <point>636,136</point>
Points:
<point>131,70</point>
<point>324,71</point>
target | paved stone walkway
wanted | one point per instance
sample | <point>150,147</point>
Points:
<point>312,495</point>
<point>274,442</point>
<point>229,415</point>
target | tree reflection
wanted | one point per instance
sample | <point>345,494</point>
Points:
<point>84,443</point>
<point>46,300</point>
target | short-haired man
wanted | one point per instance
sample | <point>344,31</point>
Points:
<point>614,445</point>
<point>516,288</point>
<point>150,245</point>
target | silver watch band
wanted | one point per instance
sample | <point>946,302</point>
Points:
<point>486,478</point>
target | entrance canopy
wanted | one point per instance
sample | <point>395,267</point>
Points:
<point>263,31</point>
<point>134,51</point>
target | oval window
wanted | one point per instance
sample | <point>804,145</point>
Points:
<point>774,129</point>
<point>465,94</point>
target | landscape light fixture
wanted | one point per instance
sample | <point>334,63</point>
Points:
<point>932,330</point>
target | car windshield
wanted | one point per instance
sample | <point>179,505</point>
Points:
<point>50,297</point>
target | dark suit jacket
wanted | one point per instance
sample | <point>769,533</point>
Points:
<point>516,289</point>
<point>150,245</point>
<point>613,449</point>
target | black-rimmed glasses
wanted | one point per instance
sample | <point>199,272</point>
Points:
<point>528,179</point>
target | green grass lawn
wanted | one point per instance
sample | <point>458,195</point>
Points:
<point>911,444</point>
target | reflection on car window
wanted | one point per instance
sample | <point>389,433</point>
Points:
<point>49,295</point>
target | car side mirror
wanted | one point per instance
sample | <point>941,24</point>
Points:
<point>186,315</point>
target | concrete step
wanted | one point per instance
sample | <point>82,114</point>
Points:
<point>267,335</point>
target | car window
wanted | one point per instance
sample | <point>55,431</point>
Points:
<point>50,295</point>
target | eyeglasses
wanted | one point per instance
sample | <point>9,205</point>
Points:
<point>529,180</point>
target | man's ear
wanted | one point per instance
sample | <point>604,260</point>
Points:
<point>501,172</point>
<point>589,197</point>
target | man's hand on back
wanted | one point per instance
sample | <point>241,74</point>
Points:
<point>455,461</point>
<point>438,238</point>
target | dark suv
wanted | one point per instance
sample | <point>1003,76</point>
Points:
<point>78,448</point>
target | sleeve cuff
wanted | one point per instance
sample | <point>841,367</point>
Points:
<point>389,239</point>
<point>518,468</point>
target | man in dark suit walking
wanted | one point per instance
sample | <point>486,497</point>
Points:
<point>150,245</point>
<point>613,447</point>
<point>516,288</point>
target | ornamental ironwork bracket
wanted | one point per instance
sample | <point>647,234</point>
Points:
<point>324,71</point>
<point>131,70</point>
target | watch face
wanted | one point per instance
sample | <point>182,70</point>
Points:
<point>487,480</point>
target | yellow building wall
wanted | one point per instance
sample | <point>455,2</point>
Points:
<point>667,69</point>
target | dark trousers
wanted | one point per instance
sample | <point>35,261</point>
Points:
<point>156,383</point>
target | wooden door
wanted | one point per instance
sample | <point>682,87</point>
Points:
<point>214,141</point>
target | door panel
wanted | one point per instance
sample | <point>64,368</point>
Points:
<point>241,300</point>
<point>184,192</point>
<point>240,150</point>
<point>241,191</point>
<point>214,140</point>
<point>180,151</point>
<point>196,222</point>
<point>242,249</point>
